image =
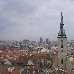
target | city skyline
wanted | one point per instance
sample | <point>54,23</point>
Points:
<point>32,19</point>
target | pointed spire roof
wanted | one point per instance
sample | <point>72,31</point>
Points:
<point>62,31</point>
<point>61,24</point>
<point>61,18</point>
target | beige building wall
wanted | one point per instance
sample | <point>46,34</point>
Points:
<point>62,52</point>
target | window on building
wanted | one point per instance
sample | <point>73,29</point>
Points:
<point>62,50</point>
<point>61,40</point>
<point>61,61</point>
<point>61,45</point>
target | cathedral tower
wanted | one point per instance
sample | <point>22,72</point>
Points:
<point>62,46</point>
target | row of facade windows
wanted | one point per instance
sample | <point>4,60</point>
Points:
<point>62,51</point>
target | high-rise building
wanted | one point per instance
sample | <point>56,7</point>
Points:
<point>41,39</point>
<point>47,40</point>
<point>62,46</point>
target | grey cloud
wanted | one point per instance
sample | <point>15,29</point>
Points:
<point>32,19</point>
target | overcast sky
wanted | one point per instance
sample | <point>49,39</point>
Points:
<point>32,19</point>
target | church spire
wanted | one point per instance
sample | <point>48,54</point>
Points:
<point>62,48</point>
<point>61,18</point>
<point>62,31</point>
<point>61,24</point>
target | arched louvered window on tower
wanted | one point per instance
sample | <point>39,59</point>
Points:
<point>61,61</point>
<point>61,45</point>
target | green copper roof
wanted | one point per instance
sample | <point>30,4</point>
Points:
<point>62,31</point>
